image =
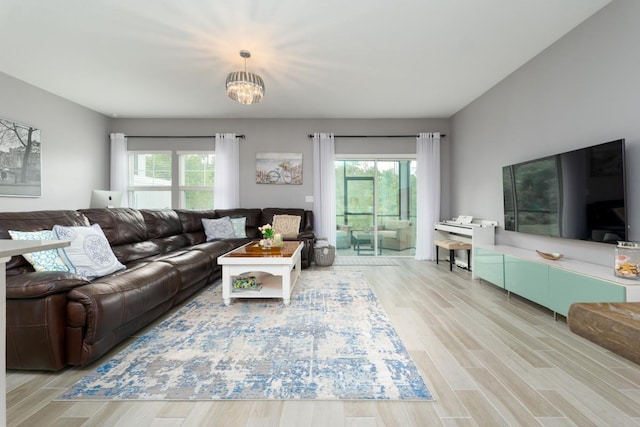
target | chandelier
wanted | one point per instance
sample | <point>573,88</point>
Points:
<point>245,87</point>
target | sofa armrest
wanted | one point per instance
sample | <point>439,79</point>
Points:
<point>39,284</point>
<point>306,235</point>
<point>404,234</point>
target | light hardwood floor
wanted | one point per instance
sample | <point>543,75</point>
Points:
<point>488,359</point>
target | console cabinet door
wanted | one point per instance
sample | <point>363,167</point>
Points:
<point>527,279</point>
<point>566,288</point>
<point>489,266</point>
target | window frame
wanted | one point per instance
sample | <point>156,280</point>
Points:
<point>175,188</point>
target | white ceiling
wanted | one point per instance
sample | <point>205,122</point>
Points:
<point>319,59</point>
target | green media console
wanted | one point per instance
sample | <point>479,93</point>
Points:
<point>552,284</point>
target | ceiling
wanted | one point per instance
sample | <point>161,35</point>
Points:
<point>319,59</point>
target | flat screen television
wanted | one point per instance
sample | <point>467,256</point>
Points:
<point>579,194</point>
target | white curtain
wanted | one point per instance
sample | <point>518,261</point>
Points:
<point>226,189</point>
<point>119,178</point>
<point>428,190</point>
<point>324,188</point>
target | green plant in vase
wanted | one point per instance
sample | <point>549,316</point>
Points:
<point>267,236</point>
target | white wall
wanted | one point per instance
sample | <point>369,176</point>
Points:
<point>581,91</point>
<point>287,135</point>
<point>75,150</point>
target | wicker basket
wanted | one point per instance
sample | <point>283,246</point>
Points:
<point>324,256</point>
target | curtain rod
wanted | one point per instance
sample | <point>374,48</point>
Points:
<point>177,136</point>
<point>442,135</point>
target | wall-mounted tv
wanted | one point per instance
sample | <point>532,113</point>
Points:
<point>579,194</point>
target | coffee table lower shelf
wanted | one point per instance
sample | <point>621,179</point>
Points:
<point>269,286</point>
<point>277,283</point>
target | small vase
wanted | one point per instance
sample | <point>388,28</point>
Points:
<point>267,243</point>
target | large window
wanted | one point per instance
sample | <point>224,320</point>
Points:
<point>152,184</point>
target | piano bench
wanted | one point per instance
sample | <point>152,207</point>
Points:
<point>452,246</point>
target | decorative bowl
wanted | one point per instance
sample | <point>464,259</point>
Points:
<point>552,256</point>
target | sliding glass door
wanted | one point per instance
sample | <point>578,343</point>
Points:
<point>375,207</point>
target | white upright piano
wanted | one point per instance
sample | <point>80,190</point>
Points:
<point>476,232</point>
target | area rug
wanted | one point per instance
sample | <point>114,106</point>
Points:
<point>334,341</point>
<point>364,260</point>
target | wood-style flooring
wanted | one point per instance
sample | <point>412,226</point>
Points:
<point>488,359</point>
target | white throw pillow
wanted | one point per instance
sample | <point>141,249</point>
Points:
<point>287,225</point>
<point>220,228</point>
<point>239,225</point>
<point>47,260</point>
<point>89,254</point>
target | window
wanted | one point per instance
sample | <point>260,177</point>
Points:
<point>152,184</point>
<point>196,180</point>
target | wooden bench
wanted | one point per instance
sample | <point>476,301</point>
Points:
<point>614,326</point>
<point>452,246</point>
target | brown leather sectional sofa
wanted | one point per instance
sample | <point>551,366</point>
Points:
<point>55,319</point>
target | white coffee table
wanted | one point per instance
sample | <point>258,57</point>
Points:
<point>276,269</point>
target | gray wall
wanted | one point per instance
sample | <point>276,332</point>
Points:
<point>581,91</point>
<point>75,146</point>
<point>286,135</point>
<point>75,150</point>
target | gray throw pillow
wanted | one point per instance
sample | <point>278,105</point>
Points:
<point>220,228</point>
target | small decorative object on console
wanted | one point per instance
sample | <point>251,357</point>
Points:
<point>552,256</point>
<point>627,262</point>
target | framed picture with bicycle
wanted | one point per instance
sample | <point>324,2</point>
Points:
<point>279,168</point>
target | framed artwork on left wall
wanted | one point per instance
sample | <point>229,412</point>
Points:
<point>20,163</point>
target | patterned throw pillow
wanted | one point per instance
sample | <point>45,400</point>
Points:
<point>287,225</point>
<point>47,260</point>
<point>220,228</point>
<point>89,254</point>
<point>239,225</point>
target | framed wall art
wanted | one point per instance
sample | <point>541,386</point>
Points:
<point>20,162</point>
<point>279,168</point>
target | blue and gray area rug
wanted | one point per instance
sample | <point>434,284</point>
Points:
<point>333,342</point>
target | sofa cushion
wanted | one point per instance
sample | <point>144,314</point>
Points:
<point>120,225</point>
<point>192,224</point>
<point>218,228</point>
<point>89,254</point>
<point>47,260</point>
<point>194,267</point>
<point>214,249</point>
<point>164,229</point>
<point>161,223</point>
